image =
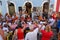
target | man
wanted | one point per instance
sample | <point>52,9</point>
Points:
<point>32,35</point>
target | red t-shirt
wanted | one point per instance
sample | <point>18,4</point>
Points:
<point>20,34</point>
<point>46,35</point>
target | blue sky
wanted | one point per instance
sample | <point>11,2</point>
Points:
<point>36,3</point>
<point>52,1</point>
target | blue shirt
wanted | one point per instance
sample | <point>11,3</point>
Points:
<point>58,23</point>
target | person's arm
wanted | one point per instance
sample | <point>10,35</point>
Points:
<point>2,34</point>
<point>39,28</point>
<point>36,31</point>
<point>15,34</point>
<point>24,28</point>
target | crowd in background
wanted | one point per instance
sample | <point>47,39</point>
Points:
<point>27,27</point>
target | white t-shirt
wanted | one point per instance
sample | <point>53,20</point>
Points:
<point>32,35</point>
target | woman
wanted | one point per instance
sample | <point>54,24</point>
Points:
<point>19,32</point>
<point>47,33</point>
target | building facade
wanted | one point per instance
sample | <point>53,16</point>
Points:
<point>5,5</point>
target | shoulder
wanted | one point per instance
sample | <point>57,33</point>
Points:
<point>51,32</point>
<point>36,30</point>
<point>28,34</point>
<point>43,31</point>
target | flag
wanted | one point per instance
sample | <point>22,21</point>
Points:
<point>57,5</point>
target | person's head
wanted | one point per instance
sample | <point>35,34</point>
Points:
<point>6,14</point>
<point>48,28</point>
<point>20,12</point>
<point>31,27</point>
<point>19,25</point>
<point>13,21</point>
<point>5,25</point>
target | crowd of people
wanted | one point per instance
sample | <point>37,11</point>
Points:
<point>24,27</point>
